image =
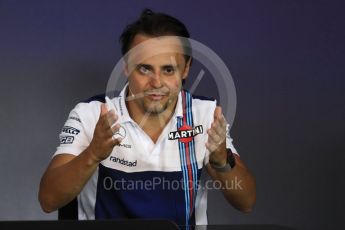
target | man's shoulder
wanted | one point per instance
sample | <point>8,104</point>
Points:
<point>89,107</point>
<point>203,101</point>
<point>99,97</point>
<point>203,107</point>
<point>203,98</point>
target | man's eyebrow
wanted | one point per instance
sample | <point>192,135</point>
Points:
<point>146,66</point>
<point>169,66</point>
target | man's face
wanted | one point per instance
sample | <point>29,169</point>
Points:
<point>155,71</point>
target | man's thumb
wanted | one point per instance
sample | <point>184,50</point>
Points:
<point>217,112</point>
<point>104,109</point>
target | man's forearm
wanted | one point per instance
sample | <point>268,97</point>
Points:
<point>63,180</point>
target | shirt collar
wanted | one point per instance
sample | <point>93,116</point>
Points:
<point>122,105</point>
<point>179,106</point>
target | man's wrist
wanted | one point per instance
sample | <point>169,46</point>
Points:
<point>93,159</point>
<point>219,158</point>
<point>230,163</point>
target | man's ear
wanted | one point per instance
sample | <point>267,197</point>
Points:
<point>186,69</point>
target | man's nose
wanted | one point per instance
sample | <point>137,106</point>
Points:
<point>156,80</point>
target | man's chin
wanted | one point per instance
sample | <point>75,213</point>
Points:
<point>157,107</point>
<point>155,110</point>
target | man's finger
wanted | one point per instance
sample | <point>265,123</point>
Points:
<point>214,137</point>
<point>112,118</point>
<point>217,113</point>
<point>219,117</point>
<point>116,141</point>
<point>222,119</point>
<point>104,109</point>
<point>110,131</point>
<point>218,128</point>
<point>115,128</point>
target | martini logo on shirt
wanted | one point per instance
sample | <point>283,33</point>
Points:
<point>186,133</point>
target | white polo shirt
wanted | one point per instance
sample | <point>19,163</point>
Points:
<point>140,178</point>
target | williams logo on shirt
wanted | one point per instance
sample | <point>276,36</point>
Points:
<point>70,130</point>
<point>186,133</point>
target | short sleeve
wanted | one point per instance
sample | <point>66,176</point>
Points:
<point>229,141</point>
<point>76,134</point>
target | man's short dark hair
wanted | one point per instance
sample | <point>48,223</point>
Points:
<point>155,25</point>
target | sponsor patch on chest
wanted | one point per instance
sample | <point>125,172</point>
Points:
<point>186,133</point>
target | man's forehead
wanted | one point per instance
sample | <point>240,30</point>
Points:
<point>146,48</point>
<point>149,41</point>
<point>160,60</point>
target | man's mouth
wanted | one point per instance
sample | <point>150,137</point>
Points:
<point>155,96</point>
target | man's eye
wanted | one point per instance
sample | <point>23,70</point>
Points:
<point>169,70</point>
<point>143,70</point>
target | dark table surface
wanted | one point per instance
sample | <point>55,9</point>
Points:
<point>125,224</point>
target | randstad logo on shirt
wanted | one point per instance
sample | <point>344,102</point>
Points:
<point>186,133</point>
<point>123,161</point>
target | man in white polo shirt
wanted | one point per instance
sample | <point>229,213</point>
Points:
<point>141,154</point>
